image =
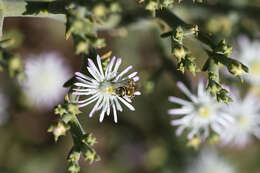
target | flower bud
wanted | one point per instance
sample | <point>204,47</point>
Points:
<point>179,34</point>
<point>74,155</point>
<point>223,48</point>
<point>60,110</point>
<point>236,69</point>
<point>58,130</point>
<point>213,87</point>
<point>194,143</point>
<point>73,108</point>
<point>74,168</point>
<point>179,53</point>
<point>151,6</point>
<point>89,139</point>
<point>81,47</point>
<point>90,156</point>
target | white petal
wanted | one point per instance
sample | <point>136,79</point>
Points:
<point>136,78</point>
<point>178,100</point>
<point>92,65</point>
<point>179,111</point>
<point>109,67</point>
<point>118,62</point>
<point>176,122</point>
<point>126,103</point>
<point>137,93</point>
<point>185,90</point>
<point>85,85</point>
<point>180,130</point>
<point>102,115</point>
<point>85,77</point>
<point>118,106</point>
<point>95,107</point>
<point>83,90</point>
<point>88,99</point>
<point>123,72</point>
<point>108,107</point>
<point>84,93</point>
<point>87,103</point>
<point>132,75</point>
<point>100,66</point>
<point>114,112</point>
<point>92,72</point>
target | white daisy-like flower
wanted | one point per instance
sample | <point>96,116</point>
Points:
<point>198,115</point>
<point>3,109</point>
<point>46,74</point>
<point>249,54</point>
<point>208,161</point>
<point>107,87</point>
<point>246,124</point>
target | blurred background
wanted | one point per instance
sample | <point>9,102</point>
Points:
<point>142,141</point>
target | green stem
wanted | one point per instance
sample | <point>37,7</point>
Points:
<point>213,67</point>
<point>174,21</point>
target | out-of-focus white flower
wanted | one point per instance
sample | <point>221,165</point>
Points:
<point>208,161</point>
<point>3,107</point>
<point>249,54</point>
<point>46,74</point>
<point>198,115</point>
<point>246,122</point>
<point>107,87</point>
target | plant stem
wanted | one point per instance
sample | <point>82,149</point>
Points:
<point>213,67</point>
<point>174,21</point>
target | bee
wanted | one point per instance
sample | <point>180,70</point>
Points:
<point>128,90</point>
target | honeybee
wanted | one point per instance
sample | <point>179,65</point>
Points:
<point>128,89</point>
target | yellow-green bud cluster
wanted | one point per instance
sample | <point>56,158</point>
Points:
<point>153,5</point>
<point>214,87</point>
<point>58,130</point>
<point>11,62</point>
<point>222,54</point>
<point>73,159</point>
<point>181,53</point>
<point>81,19</point>
<point>83,142</point>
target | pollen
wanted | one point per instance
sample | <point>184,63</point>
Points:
<point>110,90</point>
<point>204,112</point>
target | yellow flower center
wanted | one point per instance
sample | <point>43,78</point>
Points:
<point>110,90</point>
<point>204,112</point>
<point>243,121</point>
<point>255,68</point>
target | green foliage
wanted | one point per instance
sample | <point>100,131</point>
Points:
<point>218,54</point>
<point>83,142</point>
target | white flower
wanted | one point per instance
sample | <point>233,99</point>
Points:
<point>103,86</point>
<point>209,162</point>
<point>46,74</point>
<point>198,115</point>
<point>3,107</point>
<point>246,114</point>
<point>249,54</point>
